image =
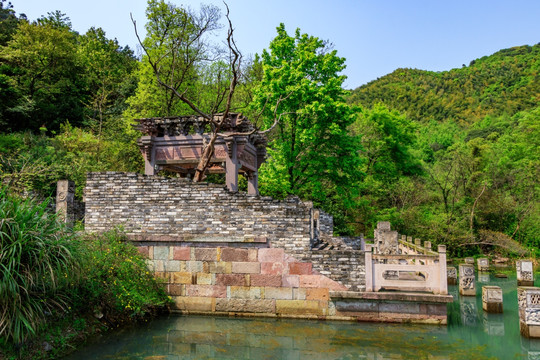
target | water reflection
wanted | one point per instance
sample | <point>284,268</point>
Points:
<point>470,334</point>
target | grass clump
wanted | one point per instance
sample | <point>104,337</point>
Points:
<point>57,287</point>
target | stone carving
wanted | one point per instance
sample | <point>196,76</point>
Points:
<point>532,316</point>
<point>468,271</point>
<point>525,275</point>
<point>466,283</point>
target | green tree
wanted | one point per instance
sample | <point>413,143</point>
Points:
<point>312,153</point>
<point>44,69</point>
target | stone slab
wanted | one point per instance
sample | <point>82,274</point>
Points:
<point>246,305</point>
<point>246,268</point>
<point>265,280</point>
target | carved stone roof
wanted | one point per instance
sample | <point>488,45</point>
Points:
<point>192,124</point>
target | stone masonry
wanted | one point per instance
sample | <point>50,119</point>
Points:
<point>154,210</point>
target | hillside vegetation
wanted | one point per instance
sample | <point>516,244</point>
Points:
<point>503,83</point>
<point>450,157</point>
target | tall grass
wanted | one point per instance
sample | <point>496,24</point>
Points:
<point>36,261</point>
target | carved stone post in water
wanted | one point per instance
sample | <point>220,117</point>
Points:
<point>483,264</point>
<point>469,260</point>
<point>529,311</point>
<point>467,286</point>
<point>492,299</point>
<point>65,195</point>
<point>451,275</point>
<point>525,274</point>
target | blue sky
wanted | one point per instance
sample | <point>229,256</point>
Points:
<point>376,37</point>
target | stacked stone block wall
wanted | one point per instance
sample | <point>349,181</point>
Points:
<point>154,208</point>
<point>241,281</point>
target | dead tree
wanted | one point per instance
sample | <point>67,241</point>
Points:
<point>219,112</point>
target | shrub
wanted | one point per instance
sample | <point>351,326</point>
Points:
<point>36,262</point>
<point>116,281</point>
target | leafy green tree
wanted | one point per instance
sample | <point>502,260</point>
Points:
<point>312,153</point>
<point>43,67</point>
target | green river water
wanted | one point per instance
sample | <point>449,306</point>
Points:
<point>470,334</point>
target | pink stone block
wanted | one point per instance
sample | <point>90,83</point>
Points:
<point>206,254</point>
<point>181,253</point>
<point>332,285</point>
<point>246,267</point>
<point>310,281</point>
<point>265,280</point>
<point>299,268</point>
<point>271,255</point>
<point>217,291</point>
<point>253,254</point>
<point>144,251</point>
<point>232,254</point>
<point>290,281</point>
<point>273,268</point>
<point>231,279</point>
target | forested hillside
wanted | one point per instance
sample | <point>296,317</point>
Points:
<point>454,155</point>
<point>451,156</point>
<point>503,83</point>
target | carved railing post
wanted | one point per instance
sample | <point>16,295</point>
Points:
<point>369,267</point>
<point>443,282</point>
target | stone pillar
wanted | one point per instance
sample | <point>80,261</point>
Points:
<point>443,282</point>
<point>525,273</point>
<point>469,260</point>
<point>451,275</point>
<point>409,239</point>
<point>65,195</point>
<point>418,242</point>
<point>492,299</point>
<point>369,267</point>
<point>148,152</point>
<point>253,183</point>
<point>483,264</point>
<point>529,311</point>
<point>467,286</point>
<point>231,167</point>
<point>427,245</point>
<point>386,240</point>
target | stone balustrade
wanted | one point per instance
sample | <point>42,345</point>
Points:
<point>406,272</point>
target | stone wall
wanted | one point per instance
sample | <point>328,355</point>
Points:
<point>154,208</point>
<point>240,281</point>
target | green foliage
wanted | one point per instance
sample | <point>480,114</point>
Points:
<point>313,155</point>
<point>37,263</point>
<point>505,82</point>
<point>41,63</point>
<point>116,281</point>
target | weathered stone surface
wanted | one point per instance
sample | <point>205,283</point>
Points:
<point>205,304</point>
<point>144,251</point>
<point>271,255</point>
<point>176,290</point>
<point>246,267</point>
<point>206,254</point>
<point>246,305</point>
<point>279,293</point>
<point>181,253</point>
<point>205,279</point>
<point>290,281</point>
<point>300,307</point>
<point>219,267</point>
<point>317,294</point>
<point>231,279</point>
<point>172,265</point>
<point>274,268</point>
<point>161,252</point>
<point>232,254</point>
<point>265,280</point>
<point>244,292</point>
<point>300,268</point>
<point>181,278</point>
<point>217,291</point>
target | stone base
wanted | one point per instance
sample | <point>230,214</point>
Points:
<point>492,307</point>
<point>529,331</point>
<point>525,283</point>
<point>467,292</point>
